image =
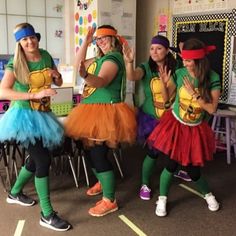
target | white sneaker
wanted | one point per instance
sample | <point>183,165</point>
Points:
<point>161,206</point>
<point>213,205</point>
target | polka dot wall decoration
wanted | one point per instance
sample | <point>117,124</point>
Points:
<point>85,18</point>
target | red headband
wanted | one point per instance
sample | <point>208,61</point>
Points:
<point>197,53</point>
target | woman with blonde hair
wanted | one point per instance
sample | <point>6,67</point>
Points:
<point>102,120</point>
<point>29,121</point>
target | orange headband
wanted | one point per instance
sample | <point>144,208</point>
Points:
<point>105,31</point>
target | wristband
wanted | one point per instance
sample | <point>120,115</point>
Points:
<point>198,97</point>
<point>167,105</point>
<point>86,75</point>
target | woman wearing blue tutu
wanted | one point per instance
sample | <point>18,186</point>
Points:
<point>29,121</point>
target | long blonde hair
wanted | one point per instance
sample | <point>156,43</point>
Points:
<point>20,66</point>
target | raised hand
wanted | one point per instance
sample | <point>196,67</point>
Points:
<point>89,37</point>
<point>189,86</point>
<point>164,74</point>
<point>82,70</point>
<point>128,53</point>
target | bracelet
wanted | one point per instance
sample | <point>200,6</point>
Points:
<point>130,61</point>
<point>59,77</point>
<point>198,97</point>
<point>167,105</point>
<point>86,75</point>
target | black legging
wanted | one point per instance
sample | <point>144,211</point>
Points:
<point>151,153</point>
<point>193,171</point>
<point>39,160</point>
<point>98,158</point>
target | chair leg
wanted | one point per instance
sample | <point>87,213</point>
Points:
<point>213,126</point>
<point>228,140</point>
<point>7,181</point>
<point>73,170</point>
<point>117,163</point>
<point>233,135</point>
<point>85,168</point>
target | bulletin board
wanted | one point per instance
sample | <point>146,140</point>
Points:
<point>212,29</point>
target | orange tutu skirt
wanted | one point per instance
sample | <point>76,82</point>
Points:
<point>98,123</point>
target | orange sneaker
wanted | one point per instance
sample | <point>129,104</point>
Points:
<point>103,207</point>
<point>95,190</point>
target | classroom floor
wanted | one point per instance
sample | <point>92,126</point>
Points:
<point>188,214</point>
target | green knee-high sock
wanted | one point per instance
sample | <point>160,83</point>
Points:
<point>147,169</point>
<point>165,181</point>
<point>42,188</point>
<point>107,180</point>
<point>202,185</point>
<point>22,180</point>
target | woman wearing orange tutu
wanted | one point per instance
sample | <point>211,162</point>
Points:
<point>102,120</point>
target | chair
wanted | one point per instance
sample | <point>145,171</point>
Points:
<point>80,153</point>
<point>65,151</point>
<point>3,156</point>
<point>223,125</point>
<point>9,152</point>
<point>116,153</point>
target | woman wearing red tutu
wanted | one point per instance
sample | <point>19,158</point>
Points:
<point>183,134</point>
<point>102,120</point>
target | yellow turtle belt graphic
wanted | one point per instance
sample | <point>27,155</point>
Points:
<point>160,106</point>
<point>189,110</point>
<point>88,90</point>
<point>39,80</point>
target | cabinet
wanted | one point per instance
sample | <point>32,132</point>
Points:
<point>47,17</point>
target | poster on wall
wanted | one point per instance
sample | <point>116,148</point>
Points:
<point>212,29</point>
<point>191,6</point>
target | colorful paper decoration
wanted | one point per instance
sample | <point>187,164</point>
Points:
<point>84,6</point>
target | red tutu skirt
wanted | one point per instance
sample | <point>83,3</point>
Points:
<point>185,144</point>
<point>112,124</point>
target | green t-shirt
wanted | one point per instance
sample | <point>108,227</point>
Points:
<point>45,62</point>
<point>114,91</point>
<point>185,107</point>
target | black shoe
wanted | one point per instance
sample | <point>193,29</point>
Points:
<point>20,199</point>
<point>54,222</point>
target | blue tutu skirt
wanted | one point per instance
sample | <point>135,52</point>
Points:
<point>25,126</point>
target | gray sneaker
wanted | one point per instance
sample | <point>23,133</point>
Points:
<point>54,222</point>
<point>20,199</point>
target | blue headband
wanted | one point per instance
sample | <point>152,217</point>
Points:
<point>164,42</point>
<point>26,32</point>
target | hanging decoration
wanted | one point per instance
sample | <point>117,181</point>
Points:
<point>84,6</point>
<point>58,8</point>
